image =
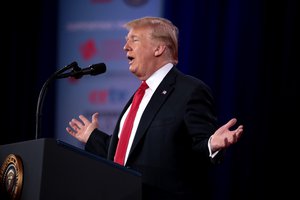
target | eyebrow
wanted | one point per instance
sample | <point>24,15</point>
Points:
<point>131,37</point>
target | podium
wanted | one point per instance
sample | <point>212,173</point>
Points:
<point>52,169</point>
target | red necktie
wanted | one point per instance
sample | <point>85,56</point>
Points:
<point>128,124</point>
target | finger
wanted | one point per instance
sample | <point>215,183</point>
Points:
<point>84,119</point>
<point>76,123</point>
<point>240,130</point>
<point>95,117</point>
<point>70,131</point>
<point>237,133</point>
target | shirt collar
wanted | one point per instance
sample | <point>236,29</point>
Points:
<point>155,79</point>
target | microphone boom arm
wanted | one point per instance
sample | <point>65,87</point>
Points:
<point>42,95</point>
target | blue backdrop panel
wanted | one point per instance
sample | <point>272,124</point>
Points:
<point>92,32</point>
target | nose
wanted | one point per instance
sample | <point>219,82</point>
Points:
<point>126,47</point>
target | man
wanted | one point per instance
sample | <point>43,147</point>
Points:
<point>174,137</point>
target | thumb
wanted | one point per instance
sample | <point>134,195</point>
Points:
<point>95,117</point>
<point>230,123</point>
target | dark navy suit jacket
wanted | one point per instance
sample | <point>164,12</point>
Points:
<point>170,148</point>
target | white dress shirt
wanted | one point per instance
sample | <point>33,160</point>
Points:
<point>153,82</point>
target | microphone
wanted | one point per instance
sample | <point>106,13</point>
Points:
<point>76,72</point>
<point>92,70</point>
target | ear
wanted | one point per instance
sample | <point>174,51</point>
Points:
<point>159,50</point>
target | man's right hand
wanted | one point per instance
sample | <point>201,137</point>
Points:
<point>82,128</point>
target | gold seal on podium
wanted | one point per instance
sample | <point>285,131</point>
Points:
<point>11,176</point>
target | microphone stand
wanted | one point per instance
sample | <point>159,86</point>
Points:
<point>42,93</point>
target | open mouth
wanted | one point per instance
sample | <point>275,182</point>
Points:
<point>130,58</point>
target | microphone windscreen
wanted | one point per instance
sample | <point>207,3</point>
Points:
<point>98,68</point>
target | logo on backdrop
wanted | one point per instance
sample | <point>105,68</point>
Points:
<point>11,176</point>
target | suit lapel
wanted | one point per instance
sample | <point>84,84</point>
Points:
<point>160,95</point>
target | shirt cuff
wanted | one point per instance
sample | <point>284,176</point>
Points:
<point>212,155</point>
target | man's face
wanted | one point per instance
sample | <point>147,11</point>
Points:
<point>140,48</point>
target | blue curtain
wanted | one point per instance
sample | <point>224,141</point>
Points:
<point>246,51</point>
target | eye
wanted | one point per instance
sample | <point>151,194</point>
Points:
<point>135,39</point>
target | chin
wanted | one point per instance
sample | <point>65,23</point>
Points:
<point>132,69</point>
